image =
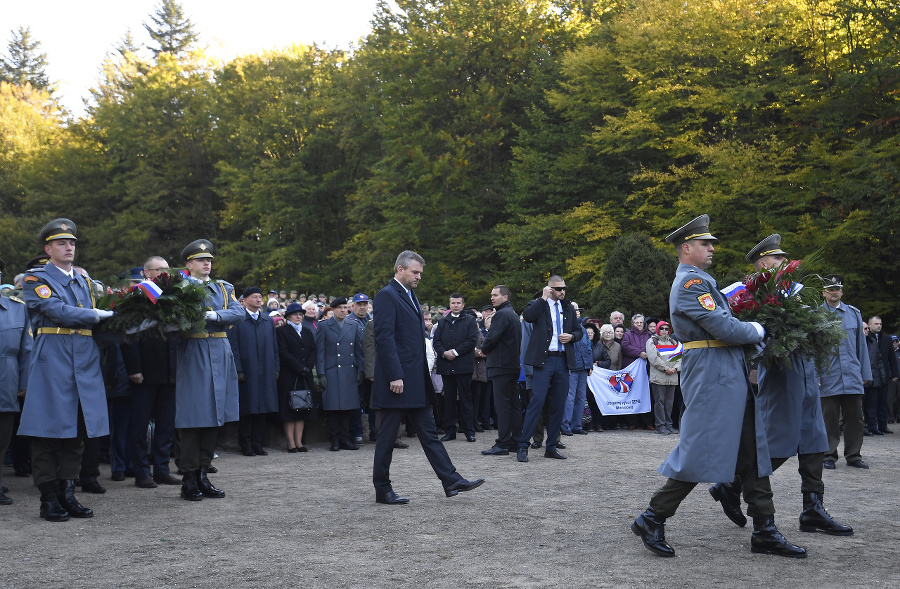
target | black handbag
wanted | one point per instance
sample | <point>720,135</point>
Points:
<point>300,399</point>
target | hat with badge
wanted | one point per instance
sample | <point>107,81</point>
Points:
<point>200,248</point>
<point>39,261</point>
<point>360,298</point>
<point>832,281</point>
<point>770,246</point>
<point>136,273</point>
<point>339,301</point>
<point>58,229</point>
<point>696,229</point>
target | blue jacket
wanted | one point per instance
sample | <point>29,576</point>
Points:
<point>15,352</point>
<point>255,351</point>
<point>849,366</point>
<point>339,357</point>
<point>584,356</point>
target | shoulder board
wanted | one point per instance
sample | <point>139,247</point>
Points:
<point>226,283</point>
<point>16,299</point>
<point>852,308</point>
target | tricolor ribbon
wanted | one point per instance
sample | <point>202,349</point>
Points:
<point>149,288</point>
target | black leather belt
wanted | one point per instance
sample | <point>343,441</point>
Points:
<point>557,354</point>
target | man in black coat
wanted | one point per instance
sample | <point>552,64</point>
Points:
<point>876,397</point>
<point>501,347</point>
<point>150,364</point>
<point>454,345</point>
<point>551,353</point>
<point>402,384</point>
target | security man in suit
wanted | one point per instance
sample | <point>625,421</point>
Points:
<point>15,357</point>
<point>551,353</point>
<point>206,383</point>
<point>402,384</point>
<point>792,411</point>
<point>66,396</point>
<point>719,425</point>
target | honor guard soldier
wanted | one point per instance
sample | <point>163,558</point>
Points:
<point>15,357</point>
<point>66,399</point>
<point>718,427</point>
<point>789,402</point>
<point>206,382</point>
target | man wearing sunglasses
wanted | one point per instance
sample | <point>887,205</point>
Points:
<point>551,353</point>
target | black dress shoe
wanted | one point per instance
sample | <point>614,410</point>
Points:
<point>876,432</point>
<point>552,453</point>
<point>566,433</point>
<point>535,445</point>
<point>4,500</point>
<point>389,498</point>
<point>867,433</point>
<point>829,464</point>
<point>90,485</point>
<point>292,450</point>
<point>731,502</point>
<point>462,486</point>
<point>117,475</point>
<point>495,451</point>
<point>258,450</point>
<point>145,483</point>
<point>165,478</point>
<point>302,449</point>
<point>247,451</point>
<point>858,463</point>
<point>470,437</point>
<point>400,445</point>
<point>335,447</point>
<point>347,445</point>
<point>580,432</point>
<point>652,530</point>
<point>522,455</point>
<point>448,437</point>
<point>885,430</point>
<point>560,446</point>
<point>212,469</point>
<point>478,428</point>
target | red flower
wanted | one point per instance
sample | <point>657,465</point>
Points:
<point>793,266</point>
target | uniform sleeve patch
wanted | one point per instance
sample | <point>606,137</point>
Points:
<point>30,279</point>
<point>43,291</point>
<point>707,302</point>
<point>692,282</point>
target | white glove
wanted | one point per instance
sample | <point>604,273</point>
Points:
<point>759,329</point>
<point>212,316</point>
<point>103,314</point>
<point>145,324</point>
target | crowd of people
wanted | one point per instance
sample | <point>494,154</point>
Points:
<point>141,402</point>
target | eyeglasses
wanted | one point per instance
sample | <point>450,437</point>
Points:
<point>664,329</point>
<point>558,288</point>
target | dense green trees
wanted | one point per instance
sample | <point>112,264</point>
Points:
<point>505,140</point>
<point>24,63</point>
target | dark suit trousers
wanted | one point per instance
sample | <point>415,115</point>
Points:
<point>422,422</point>
<point>157,401</point>
<point>7,419</point>
<point>508,405</point>
<point>550,379</point>
<point>875,404</point>
<point>458,385</point>
<point>339,424</point>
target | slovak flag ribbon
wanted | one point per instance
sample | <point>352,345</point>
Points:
<point>732,289</point>
<point>670,352</point>
<point>149,288</point>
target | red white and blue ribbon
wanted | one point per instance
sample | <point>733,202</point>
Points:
<point>733,289</point>
<point>670,352</point>
<point>149,288</point>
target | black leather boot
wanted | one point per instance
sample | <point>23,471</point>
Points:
<point>725,494</point>
<point>766,539</point>
<point>51,510</point>
<point>206,487</point>
<point>189,490</point>
<point>90,485</point>
<point>815,519</point>
<point>69,502</point>
<point>652,530</point>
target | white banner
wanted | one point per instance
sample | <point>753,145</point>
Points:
<point>621,392</point>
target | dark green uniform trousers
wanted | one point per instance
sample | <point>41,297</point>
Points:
<point>810,470</point>
<point>757,490</point>
<point>196,446</point>
<point>58,459</point>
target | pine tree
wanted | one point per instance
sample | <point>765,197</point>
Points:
<point>26,64</point>
<point>170,29</point>
<point>636,278</point>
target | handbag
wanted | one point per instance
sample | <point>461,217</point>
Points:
<point>300,399</point>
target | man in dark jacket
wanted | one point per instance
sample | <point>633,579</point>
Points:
<point>454,346</point>
<point>501,347</point>
<point>551,353</point>
<point>402,384</point>
<point>876,396</point>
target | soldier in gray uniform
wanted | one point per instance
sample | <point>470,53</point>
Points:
<point>206,383</point>
<point>15,356</point>
<point>340,367</point>
<point>66,396</point>
<point>789,402</point>
<point>721,433</point>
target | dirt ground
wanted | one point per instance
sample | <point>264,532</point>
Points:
<point>310,520</point>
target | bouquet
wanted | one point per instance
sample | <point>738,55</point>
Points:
<point>156,307</point>
<point>787,302</point>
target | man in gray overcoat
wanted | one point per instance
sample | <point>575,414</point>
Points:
<point>720,430</point>
<point>256,359</point>
<point>66,399</point>
<point>15,357</point>
<point>340,367</point>
<point>789,402</point>
<point>206,383</point>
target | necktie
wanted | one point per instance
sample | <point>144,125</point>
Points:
<point>558,320</point>
<point>411,299</point>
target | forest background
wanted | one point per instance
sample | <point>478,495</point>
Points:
<point>504,140</point>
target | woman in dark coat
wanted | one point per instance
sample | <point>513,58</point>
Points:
<point>297,352</point>
<point>601,360</point>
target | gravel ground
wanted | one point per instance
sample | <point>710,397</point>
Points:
<point>310,520</point>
